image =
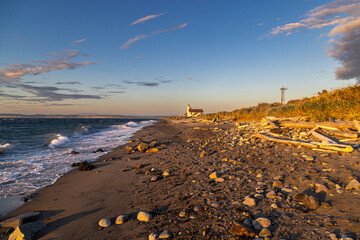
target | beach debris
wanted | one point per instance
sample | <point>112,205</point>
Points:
<point>153,236</point>
<point>144,216</point>
<point>74,152</point>
<point>142,147</point>
<point>241,230</point>
<point>121,219</point>
<point>105,222</point>
<point>14,222</point>
<point>165,234</point>
<point>354,184</point>
<point>83,166</point>
<point>27,230</point>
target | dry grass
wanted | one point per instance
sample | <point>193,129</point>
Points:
<point>341,104</point>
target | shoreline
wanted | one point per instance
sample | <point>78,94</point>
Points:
<point>190,152</point>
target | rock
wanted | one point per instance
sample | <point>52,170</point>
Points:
<point>104,222</point>
<point>261,223</point>
<point>277,184</point>
<point>259,196</point>
<point>166,173</point>
<point>182,214</point>
<point>83,166</point>
<point>271,194</point>
<point>332,236</point>
<point>197,208</point>
<point>98,150</point>
<point>142,147</point>
<point>165,234</point>
<point>154,178</point>
<point>153,236</point>
<point>241,230</point>
<point>265,233</point>
<point>286,190</point>
<point>138,166</point>
<point>308,201</point>
<point>144,216</point>
<point>354,184</point>
<point>220,180</point>
<point>74,152</point>
<point>152,150</point>
<point>129,148</point>
<point>345,237</point>
<point>249,202</point>
<point>214,175</point>
<point>27,230</point>
<point>14,222</point>
<point>121,219</point>
<point>321,187</point>
<point>274,206</point>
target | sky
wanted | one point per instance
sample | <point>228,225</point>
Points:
<point>153,57</point>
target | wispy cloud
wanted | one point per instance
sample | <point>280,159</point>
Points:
<point>147,84</point>
<point>343,18</point>
<point>132,40</point>
<point>14,72</point>
<point>79,41</point>
<point>193,79</point>
<point>144,19</point>
<point>67,83</point>
<point>139,37</point>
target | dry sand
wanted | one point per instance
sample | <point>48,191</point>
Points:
<point>73,206</point>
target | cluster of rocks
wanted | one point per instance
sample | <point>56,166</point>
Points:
<point>83,166</point>
<point>25,225</point>
<point>143,147</point>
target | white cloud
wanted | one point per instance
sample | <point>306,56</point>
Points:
<point>343,19</point>
<point>144,19</point>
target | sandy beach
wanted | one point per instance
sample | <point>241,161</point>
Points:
<point>214,184</point>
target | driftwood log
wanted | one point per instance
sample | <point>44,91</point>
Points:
<point>336,125</point>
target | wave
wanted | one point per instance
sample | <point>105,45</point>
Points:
<point>59,140</point>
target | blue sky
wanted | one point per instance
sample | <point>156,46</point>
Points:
<point>154,57</point>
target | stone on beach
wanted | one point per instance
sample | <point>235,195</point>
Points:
<point>142,147</point>
<point>104,222</point>
<point>14,222</point>
<point>241,230</point>
<point>27,230</point>
<point>220,180</point>
<point>214,175</point>
<point>152,150</point>
<point>121,219</point>
<point>261,223</point>
<point>153,236</point>
<point>165,234</point>
<point>265,233</point>
<point>354,184</point>
<point>144,216</point>
<point>249,202</point>
<point>308,201</point>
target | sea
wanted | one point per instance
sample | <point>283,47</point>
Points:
<point>34,153</point>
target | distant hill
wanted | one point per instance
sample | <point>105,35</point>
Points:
<point>343,104</point>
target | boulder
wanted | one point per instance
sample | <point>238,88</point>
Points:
<point>27,230</point>
<point>310,202</point>
<point>144,216</point>
<point>14,222</point>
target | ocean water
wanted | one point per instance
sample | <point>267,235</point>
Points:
<point>34,153</point>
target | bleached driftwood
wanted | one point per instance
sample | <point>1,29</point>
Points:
<point>343,134</point>
<point>323,138</point>
<point>334,147</point>
<point>272,124</point>
<point>294,119</point>
<point>304,134</point>
<point>336,125</point>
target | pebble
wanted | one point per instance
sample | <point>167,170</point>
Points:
<point>166,173</point>
<point>220,180</point>
<point>321,187</point>
<point>265,233</point>
<point>197,208</point>
<point>332,236</point>
<point>121,219</point>
<point>214,175</point>
<point>154,178</point>
<point>259,196</point>
<point>271,194</point>
<point>277,184</point>
<point>144,216</point>
<point>241,230</point>
<point>153,236</point>
<point>165,234</point>
<point>104,222</point>
<point>249,202</point>
<point>260,223</point>
<point>274,206</point>
<point>354,184</point>
<point>182,214</point>
<point>286,190</point>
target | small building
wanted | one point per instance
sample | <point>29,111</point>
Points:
<point>190,112</point>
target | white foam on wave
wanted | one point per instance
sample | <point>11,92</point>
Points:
<point>59,140</point>
<point>41,169</point>
<point>5,146</point>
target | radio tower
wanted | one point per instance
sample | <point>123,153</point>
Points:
<point>283,95</point>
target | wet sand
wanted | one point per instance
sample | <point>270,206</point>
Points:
<point>191,205</point>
